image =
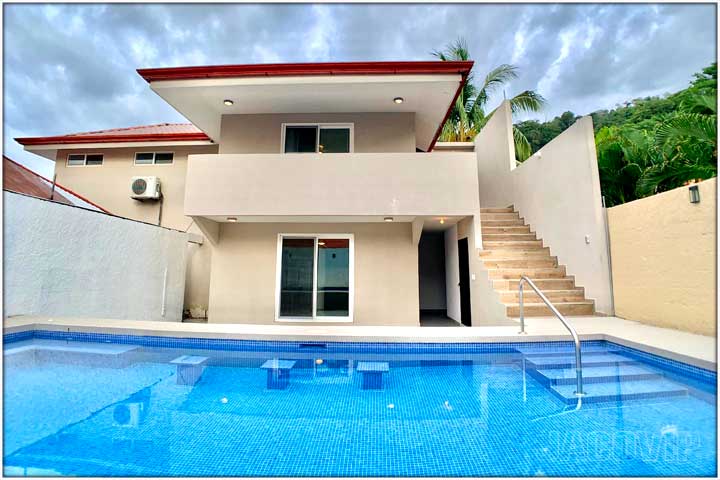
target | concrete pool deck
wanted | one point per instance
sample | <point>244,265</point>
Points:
<point>698,350</point>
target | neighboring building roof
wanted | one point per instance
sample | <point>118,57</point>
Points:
<point>143,133</point>
<point>301,69</point>
<point>433,100</point>
<point>20,179</point>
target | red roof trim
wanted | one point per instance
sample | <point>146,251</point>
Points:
<point>148,137</point>
<point>57,185</point>
<point>304,69</point>
<point>449,110</point>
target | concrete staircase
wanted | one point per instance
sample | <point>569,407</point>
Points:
<point>511,250</point>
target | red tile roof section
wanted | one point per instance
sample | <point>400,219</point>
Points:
<point>302,69</point>
<point>20,179</point>
<point>144,133</point>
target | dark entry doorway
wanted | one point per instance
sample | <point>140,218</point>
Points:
<point>464,270</point>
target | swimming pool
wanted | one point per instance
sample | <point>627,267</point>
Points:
<point>111,405</point>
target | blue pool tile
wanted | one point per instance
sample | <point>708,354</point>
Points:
<point>444,410</point>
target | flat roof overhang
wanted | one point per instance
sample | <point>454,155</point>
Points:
<point>428,89</point>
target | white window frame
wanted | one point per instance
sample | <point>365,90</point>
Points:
<point>351,278</point>
<point>349,126</point>
<point>153,164</point>
<point>85,155</point>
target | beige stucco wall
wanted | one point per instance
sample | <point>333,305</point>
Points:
<point>243,273</point>
<point>374,132</point>
<point>664,259</point>
<point>332,184</point>
<point>485,305</point>
<point>108,185</point>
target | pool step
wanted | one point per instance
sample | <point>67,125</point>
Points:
<point>608,376</point>
<point>599,359</point>
<point>618,391</point>
<point>615,373</point>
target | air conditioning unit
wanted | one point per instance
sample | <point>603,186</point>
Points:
<point>145,188</point>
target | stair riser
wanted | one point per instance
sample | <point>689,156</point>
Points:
<point>532,273</point>
<point>542,284</point>
<point>499,216</point>
<point>622,397</point>
<point>586,364</point>
<point>514,297</point>
<point>496,210</point>
<point>608,379</point>
<point>512,229</point>
<point>502,223</point>
<point>510,245</point>
<point>543,311</point>
<point>508,237</point>
<point>521,263</point>
<point>515,254</point>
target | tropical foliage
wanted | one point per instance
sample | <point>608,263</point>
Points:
<point>469,114</point>
<point>649,145</point>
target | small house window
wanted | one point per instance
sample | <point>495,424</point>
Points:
<point>320,138</point>
<point>153,158</point>
<point>83,159</point>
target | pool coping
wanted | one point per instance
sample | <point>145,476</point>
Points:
<point>375,334</point>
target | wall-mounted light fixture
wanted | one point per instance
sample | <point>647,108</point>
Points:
<point>228,103</point>
<point>694,193</point>
<point>442,221</point>
<point>388,219</point>
<point>232,219</point>
<point>398,100</point>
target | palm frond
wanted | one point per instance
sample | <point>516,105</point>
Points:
<point>527,101</point>
<point>692,125</point>
<point>523,150</point>
<point>700,103</point>
<point>670,175</point>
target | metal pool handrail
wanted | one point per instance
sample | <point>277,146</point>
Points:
<point>578,356</point>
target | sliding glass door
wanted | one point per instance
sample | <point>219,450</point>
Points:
<point>315,278</point>
<point>296,277</point>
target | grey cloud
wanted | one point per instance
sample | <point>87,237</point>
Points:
<point>72,67</point>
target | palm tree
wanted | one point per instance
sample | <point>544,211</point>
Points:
<point>468,115</point>
<point>686,146</point>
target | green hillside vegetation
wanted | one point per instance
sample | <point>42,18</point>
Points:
<point>648,145</point>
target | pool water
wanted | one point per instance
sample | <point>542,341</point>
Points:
<point>144,406</point>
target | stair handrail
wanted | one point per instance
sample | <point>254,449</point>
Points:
<point>578,355</point>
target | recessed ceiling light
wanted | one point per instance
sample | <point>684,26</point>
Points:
<point>398,100</point>
<point>388,219</point>
<point>232,219</point>
<point>228,103</point>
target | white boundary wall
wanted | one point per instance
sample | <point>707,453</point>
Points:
<point>66,261</point>
<point>557,192</point>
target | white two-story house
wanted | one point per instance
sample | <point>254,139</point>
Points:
<point>323,196</point>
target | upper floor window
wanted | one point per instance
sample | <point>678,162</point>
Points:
<point>318,138</point>
<point>153,158</point>
<point>83,159</point>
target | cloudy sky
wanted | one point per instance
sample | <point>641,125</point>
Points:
<point>71,68</point>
